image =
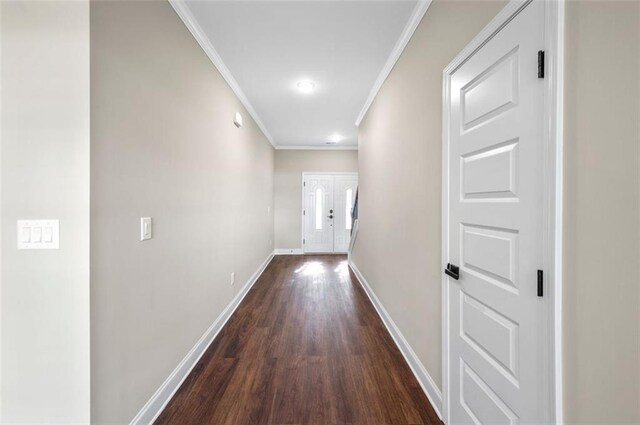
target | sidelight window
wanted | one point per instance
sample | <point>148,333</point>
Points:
<point>319,207</point>
<point>348,206</point>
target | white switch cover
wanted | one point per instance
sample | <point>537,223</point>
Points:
<point>146,228</point>
<point>38,234</point>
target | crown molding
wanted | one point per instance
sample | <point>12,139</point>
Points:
<point>315,148</point>
<point>407,33</point>
<point>192,25</point>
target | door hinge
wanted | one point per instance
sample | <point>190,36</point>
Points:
<point>304,212</point>
<point>540,63</point>
<point>304,184</point>
<point>304,241</point>
<point>540,283</point>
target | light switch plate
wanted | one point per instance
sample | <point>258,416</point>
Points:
<point>146,228</point>
<point>38,234</point>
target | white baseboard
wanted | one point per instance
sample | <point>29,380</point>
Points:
<point>426,382</point>
<point>156,404</point>
<point>291,251</point>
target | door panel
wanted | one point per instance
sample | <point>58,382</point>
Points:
<point>491,173</point>
<point>492,92</point>
<point>498,370</point>
<point>318,225</point>
<point>480,402</point>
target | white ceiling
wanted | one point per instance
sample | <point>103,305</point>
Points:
<point>267,46</point>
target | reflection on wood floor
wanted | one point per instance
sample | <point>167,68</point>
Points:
<point>305,346</point>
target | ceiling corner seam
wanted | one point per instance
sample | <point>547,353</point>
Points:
<point>196,31</point>
<point>412,24</point>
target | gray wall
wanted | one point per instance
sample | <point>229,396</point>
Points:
<point>45,175</point>
<point>601,212</point>
<point>164,145</point>
<point>398,248</point>
<point>289,166</point>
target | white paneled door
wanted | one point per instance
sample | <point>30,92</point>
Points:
<point>497,327</point>
<point>328,199</point>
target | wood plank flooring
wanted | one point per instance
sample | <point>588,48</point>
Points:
<point>305,346</point>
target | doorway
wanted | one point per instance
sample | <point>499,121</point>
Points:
<point>500,282</point>
<point>327,200</point>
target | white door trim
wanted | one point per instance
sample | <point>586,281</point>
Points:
<point>304,174</point>
<point>552,186</point>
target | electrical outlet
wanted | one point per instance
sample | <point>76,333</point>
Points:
<point>233,277</point>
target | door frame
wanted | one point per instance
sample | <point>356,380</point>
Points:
<point>323,173</point>
<point>551,188</point>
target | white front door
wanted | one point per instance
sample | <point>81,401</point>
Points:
<point>498,370</point>
<point>328,199</point>
<point>317,213</point>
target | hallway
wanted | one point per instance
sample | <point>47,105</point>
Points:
<point>374,212</point>
<point>304,347</point>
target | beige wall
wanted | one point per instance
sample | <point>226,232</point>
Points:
<point>398,248</point>
<point>45,175</point>
<point>602,214</point>
<point>164,145</point>
<point>289,166</point>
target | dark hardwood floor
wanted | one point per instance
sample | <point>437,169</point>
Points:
<point>305,346</point>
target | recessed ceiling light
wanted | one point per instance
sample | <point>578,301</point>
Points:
<point>305,86</point>
<point>335,138</point>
